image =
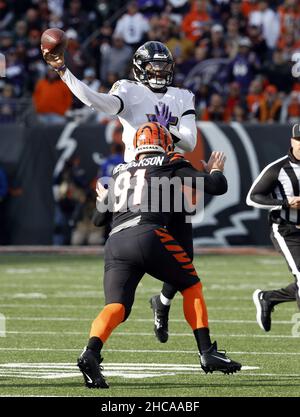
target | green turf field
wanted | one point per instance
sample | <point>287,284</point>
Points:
<point>49,302</point>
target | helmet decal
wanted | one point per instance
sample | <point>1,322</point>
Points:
<point>152,138</point>
<point>153,65</point>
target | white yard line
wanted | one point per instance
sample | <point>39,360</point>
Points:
<point>89,307</point>
<point>136,350</point>
<point>193,352</point>
<point>224,321</point>
<point>99,295</point>
<point>150,334</point>
<point>125,369</point>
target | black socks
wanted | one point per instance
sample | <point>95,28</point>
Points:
<point>203,339</point>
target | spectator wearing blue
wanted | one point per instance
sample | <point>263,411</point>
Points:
<point>150,7</point>
<point>105,172</point>
<point>115,158</point>
<point>244,66</point>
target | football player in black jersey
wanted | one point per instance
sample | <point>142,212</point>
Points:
<point>140,243</point>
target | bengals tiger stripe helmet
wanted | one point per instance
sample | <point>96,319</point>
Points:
<point>152,137</point>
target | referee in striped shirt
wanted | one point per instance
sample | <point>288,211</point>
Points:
<point>277,189</point>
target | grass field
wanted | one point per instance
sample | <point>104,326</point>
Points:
<point>49,302</point>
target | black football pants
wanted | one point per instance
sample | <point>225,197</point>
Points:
<point>183,233</point>
<point>132,252</point>
<point>286,239</point>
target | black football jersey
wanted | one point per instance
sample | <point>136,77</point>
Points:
<point>148,191</point>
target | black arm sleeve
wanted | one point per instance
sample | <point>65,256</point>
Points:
<point>214,183</point>
<point>260,194</point>
<point>103,213</point>
<point>100,219</point>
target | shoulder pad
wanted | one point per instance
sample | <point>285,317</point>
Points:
<point>121,85</point>
<point>175,157</point>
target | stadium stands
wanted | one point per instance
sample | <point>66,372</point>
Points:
<point>215,44</point>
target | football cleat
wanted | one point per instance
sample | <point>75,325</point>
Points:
<point>213,360</point>
<point>90,368</point>
<point>263,310</point>
<point>161,319</point>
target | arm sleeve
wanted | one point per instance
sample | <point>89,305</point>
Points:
<point>100,219</point>
<point>185,136</point>
<point>214,183</point>
<point>98,101</point>
<point>103,212</point>
<point>260,194</point>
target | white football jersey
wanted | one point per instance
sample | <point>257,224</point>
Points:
<point>134,102</point>
<point>138,104</point>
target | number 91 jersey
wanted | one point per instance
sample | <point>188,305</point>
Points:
<point>138,105</point>
<point>143,192</point>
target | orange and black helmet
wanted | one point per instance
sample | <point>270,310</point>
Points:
<point>152,137</point>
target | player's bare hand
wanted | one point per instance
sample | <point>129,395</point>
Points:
<point>216,161</point>
<point>54,60</point>
<point>294,202</point>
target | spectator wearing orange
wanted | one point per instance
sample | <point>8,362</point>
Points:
<point>291,108</point>
<point>179,46</point>
<point>296,86</point>
<point>216,111</point>
<point>233,98</point>
<point>269,108</point>
<point>194,23</point>
<point>289,14</point>
<point>52,98</point>
<point>248,6</point>
<point>254,97</point>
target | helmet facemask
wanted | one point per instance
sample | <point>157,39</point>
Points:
<point>157,73</point>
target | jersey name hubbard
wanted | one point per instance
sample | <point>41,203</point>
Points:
<point>139,103</point>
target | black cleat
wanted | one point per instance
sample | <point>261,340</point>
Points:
<point>263,310</point>
<point>161,319</point>
<point>213,360</point>
<point>90,368</point>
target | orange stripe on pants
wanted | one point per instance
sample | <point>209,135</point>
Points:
<point>107,320</point>
<point>194,307</point>
<point>164,236</point>
<point>173,248</point>
<point>182,257</point>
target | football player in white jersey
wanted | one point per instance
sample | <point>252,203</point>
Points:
<point>149,98</point>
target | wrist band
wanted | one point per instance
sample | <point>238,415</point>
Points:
<point>62,68</point>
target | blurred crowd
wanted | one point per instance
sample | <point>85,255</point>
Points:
<point>74,198</point>
<point>235,55</point>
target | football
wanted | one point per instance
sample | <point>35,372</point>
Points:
<point>54,40</point>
